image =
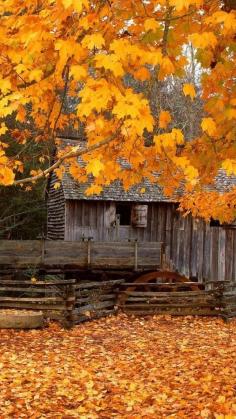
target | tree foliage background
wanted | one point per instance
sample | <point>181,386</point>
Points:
<point>125,67</point>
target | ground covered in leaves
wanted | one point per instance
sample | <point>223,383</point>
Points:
<point>121,367</point>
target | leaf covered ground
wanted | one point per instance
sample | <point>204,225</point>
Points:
<point>120,367</point>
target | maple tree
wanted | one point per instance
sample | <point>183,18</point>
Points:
<point>53,49</point>
<point>121,367</point>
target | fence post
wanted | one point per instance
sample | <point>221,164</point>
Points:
<point>69,296</point>
<point>42,251</point>
<point>136,255</point>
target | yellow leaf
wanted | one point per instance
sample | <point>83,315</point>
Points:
<point>110,62</point>
<point>6,176</point>
<point>229,165</point>
<point>151,25</point>
<point>36,74</point>
<point>76,4</point>
<point>177,135</point>
<point>93,190</point>
<point>5,85</point>
<point>57,185</point>
<point>142,74</point>
<point>184,4</point>
<point>189,90</point>
<point>230,113</point>
<point>129,105</point>
<point>164,119</point>
<point>142,190</point>
<point>208,125</point>
<point>228,20</point>
<point>93,41</point>
<point>166,67</point>
<point>78,72</point>
<point>3,129</point>
<point>3,158</point>
<point>94,166</point>
<point>203,40</point>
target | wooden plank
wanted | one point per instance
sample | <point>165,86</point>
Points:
<point>222,254</point>
<point>30,290</point>
<point>159,284</point>
<point>201,225</point>
<point>99,284</point>
<point>57,282</point>
<point>94,307</point>
<point>94,298</point>
<point>229,254</point>
<point>234,257</point>
<point>32,306</point>
<point>174,312</point>
<point>173,295</point>
<point>167,305</point>
<point>19,253</point>
<point>32,300</point>
<point>115,255</point>
<point>207,274</point>
<point>170,301</point>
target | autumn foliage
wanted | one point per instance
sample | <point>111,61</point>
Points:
<point>54,49</point>
<point>122,368</point>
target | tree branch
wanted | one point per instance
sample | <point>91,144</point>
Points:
<point>68,155</point>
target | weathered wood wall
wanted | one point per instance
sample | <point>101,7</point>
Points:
<point>192,247</point>
<point>96,219</point>
<point>199,251</point>
<point>80,255</point>
<point>56,211</point>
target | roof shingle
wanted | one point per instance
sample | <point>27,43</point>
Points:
<point>115,192</point>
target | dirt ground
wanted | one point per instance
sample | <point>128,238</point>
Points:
<point>121,367</point>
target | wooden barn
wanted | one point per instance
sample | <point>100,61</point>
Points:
<point>191,247</point>
<point>121,250</point>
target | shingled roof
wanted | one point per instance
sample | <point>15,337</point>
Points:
<point>73,189</point>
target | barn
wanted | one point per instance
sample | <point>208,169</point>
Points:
<point>143,219</point>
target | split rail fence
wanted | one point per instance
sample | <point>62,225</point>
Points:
<point>74,302</point>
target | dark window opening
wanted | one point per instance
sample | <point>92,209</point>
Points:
<point>123,213</point>
<point>214,223</point>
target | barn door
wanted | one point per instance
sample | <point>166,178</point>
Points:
<point>123,221</point>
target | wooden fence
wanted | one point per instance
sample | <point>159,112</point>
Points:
<point>219,301</point>
<point>82,255</point>
<point>55,298</point>
<point>95,299</point>
<point>74,302</point>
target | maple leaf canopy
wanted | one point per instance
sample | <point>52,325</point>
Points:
<point>52,50</point>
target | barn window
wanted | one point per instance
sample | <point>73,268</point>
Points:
<point>214,223</point>
<point>139,216</point>
<point>123,214</point>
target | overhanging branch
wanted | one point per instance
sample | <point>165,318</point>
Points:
<point>68,155</point>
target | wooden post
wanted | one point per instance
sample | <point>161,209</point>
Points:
<point>70,302</point>
<point>42,251</point>
<point>89,252</point>
<point>136,255</point>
